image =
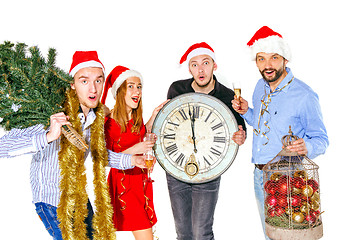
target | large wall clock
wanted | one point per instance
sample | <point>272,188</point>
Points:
<point>194,141</point>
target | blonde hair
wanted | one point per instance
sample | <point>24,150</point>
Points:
<point>119,113</point>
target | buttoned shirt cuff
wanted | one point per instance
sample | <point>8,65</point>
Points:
<point>39,141</point>
<point>120,161</point>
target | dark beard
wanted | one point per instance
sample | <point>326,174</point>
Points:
<point>278,73</point>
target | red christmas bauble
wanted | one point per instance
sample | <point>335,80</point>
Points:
<point>297,182</point>
<point>270,187</point>
<point>310,218</point>
<point>279,211</point>
<point>295,201</point>
<point>271,212</point>
<point>271,201</point>
<point>282,200</point>
<point>283,186</point>
<point>314,184</point>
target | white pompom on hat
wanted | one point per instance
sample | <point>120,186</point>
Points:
<point>268,41</point>
<point>116,77</point>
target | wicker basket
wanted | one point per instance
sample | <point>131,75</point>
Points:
<point>292,196</point>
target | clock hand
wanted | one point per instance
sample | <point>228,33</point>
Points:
<point>192,118</point>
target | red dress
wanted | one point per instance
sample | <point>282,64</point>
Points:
<point>132,200</point>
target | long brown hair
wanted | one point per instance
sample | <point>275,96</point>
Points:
<point>119,113</point>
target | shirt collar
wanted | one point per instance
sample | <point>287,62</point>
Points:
<point>216,87</point>
<point>212,92</point>
<point>86,122</point>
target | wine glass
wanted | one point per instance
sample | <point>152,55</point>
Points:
<point>149,156</point>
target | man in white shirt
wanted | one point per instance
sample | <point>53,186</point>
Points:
<point>46,146</point>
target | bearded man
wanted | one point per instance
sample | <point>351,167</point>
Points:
<point>280,100</point>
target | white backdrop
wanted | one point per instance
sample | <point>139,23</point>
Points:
<point>151,36</point>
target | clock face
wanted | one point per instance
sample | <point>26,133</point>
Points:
<point>194,137</point>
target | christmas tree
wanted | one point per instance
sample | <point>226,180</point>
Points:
<point>31,87</point>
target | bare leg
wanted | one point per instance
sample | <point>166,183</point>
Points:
<point>145,234</point>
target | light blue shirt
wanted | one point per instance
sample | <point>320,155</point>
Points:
<point>44,168</point>
<point>293,103</point>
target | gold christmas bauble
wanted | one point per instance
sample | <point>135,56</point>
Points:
<point>298,217</point>
<point>315,205</point>
<point>289,211</point>
<point>296,191</point>
<point>315,196</point>
<point>307,191</point>
<point>302,174</point>
<point>305,208</point>
<point>275,176</point>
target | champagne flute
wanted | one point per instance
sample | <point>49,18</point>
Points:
<point>237,89</point>
<point>149,156</point>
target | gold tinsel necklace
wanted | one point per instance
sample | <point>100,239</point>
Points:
<point>264,109</point>
<point>72,209</point>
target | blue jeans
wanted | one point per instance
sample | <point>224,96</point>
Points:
<point>259,194</point>
<point>193,207</point>
<point>48,216</point>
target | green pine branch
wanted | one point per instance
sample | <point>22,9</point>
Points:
<point>32,88</point>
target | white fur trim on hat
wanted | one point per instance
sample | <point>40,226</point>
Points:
<point>91,63</point>
<point>122,77</point>
<point>271,44</point>
<point>200,51</point>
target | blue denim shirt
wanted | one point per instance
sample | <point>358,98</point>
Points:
<point>293,104</point>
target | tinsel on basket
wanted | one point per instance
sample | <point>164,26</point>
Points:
<point>292,195</point>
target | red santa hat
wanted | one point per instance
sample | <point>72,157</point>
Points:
<point>84,59</point>
<point>197,49</point>
<point>116,77</point>
<point>268,41</point>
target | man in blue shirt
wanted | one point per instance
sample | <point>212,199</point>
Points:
<point>280,100</point>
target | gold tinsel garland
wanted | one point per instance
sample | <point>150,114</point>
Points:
<point>72,209</point>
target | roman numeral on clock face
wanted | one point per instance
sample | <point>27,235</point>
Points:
<point>172,149</point>
<point>207,118</point>
<point>215,152</point>
<point>179,160</point>
<point>183,114</point>
<point>170,136</point>
<point>206,161</point>
<point>219,139</point>
<point>196,111</point>
<point>216,126</point>
<point>175,124</point>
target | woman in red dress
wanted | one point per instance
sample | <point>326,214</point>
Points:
<point>131,196</point>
